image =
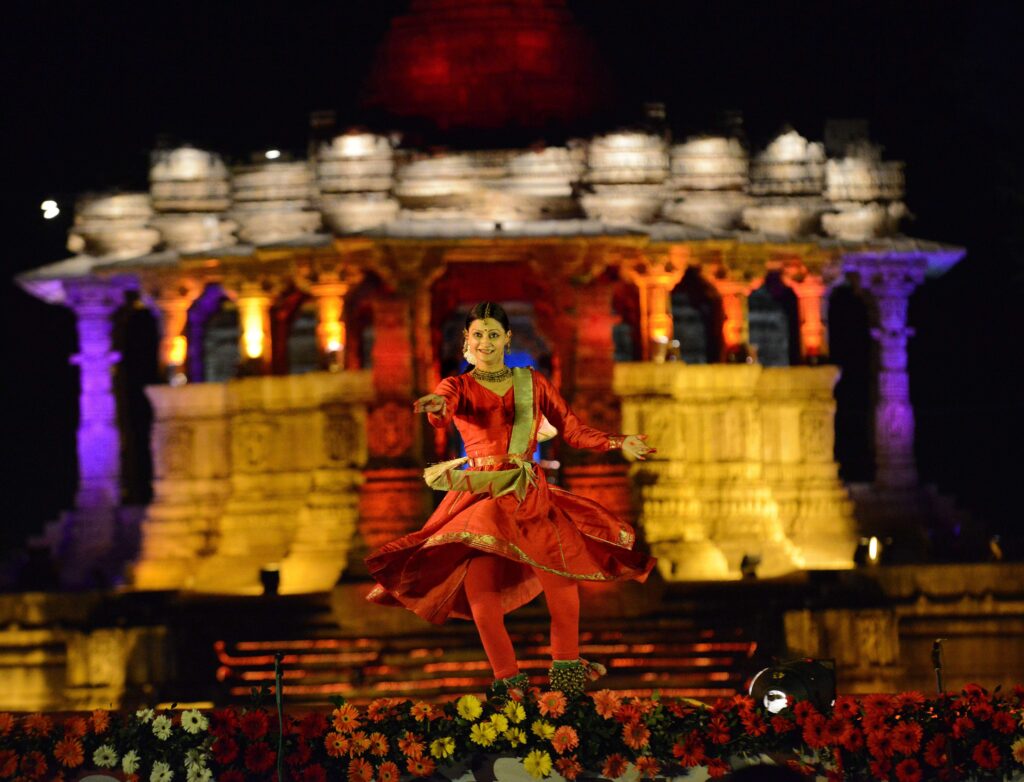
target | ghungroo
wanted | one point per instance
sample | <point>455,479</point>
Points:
<point>501,689</point>
<point>571,676</point>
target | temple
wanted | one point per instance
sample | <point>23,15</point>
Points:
<point>676,286</point>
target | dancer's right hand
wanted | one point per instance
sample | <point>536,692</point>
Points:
<point>431,403</point>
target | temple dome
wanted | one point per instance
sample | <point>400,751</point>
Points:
<point>486,65</point>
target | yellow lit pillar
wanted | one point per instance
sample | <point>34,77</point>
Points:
<point>254,323</point>
<point>330,326</point>
<point>173,303</point>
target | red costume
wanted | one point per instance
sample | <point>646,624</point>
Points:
<point>503,506</point>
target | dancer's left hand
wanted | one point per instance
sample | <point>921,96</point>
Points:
<point>635,446</point>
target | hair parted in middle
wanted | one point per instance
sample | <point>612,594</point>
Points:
<point>488,309</point>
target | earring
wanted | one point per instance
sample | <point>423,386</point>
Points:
<point>508,348</point>
<point>466,354</point>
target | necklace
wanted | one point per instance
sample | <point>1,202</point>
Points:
<point>493,377</point>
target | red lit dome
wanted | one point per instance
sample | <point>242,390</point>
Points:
<point>486,64</point>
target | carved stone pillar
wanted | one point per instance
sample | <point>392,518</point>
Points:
<point>329,284</point>
<point>810,292</point>
<point>173,298</point>
<point>891,280</point>
<point>656,276</point>
<point>99,442</point>
<point>736,326</point>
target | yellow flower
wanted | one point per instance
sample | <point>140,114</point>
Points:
<point>542,729</point>
<point>443,747</point>
<point>515,712</point>
<point>469,707</point>
<point>483,733</point>
<point>1017,749</point>
<point>537,764</point>
<point>515,736</point>
<point>500,722</point>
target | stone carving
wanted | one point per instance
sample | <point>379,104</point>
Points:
<point>251,443</point>
<point>816,435</point>
<point>174,450</point>
<point>391,430</point>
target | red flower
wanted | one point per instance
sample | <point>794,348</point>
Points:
<point>742,703</point>
<point>880,745</point>
<point>360,770</point>
<point>606,703</point>
<point>313,773</point>
<point>908,770</point>
<point>33,764</point>
<point>906,737</point>
<point>754,724</point>
<point>689,751</point>
<point>6,722</point>
<point>718,730</point>
<point>814,731</point>
<point>76,727</point>
<point>680,708</point>
<point>254,724</point>
<point>1004,722</point>
<point>648,766</point>
<point>345,718</point>
<point>301,756</point>
<point>100,721</point>
<point>845,707</point>
<point>259,757</point>
<point>224,750</point>
<point>388,772</point>
<point>569,767</point>
<point>880,768</point>
<point>803,710</point>
<point>962,726</point>
<point>854,741</point>
<point>982,710</point>
<point>37,725</point>
<point>411,746</point>
<point>717,768</point>
<point>312,725</point>
<point>614,766</point>
<point>800,768</point>
<point>552,704</point>
<point>878,704</point>
<point>69,752</point>
<point>421,766</point>
<point>8,763</point>
<point>635,735</point>
<point>986,755</point>
<point>630,712</point>
<point>223,722</point>
<point>782,724</point>
<point>908,700</point>
<point>835,731</point>
<point>231,775</point>
<point>935,754</point>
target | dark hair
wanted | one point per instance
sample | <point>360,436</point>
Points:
<point>488,309</point>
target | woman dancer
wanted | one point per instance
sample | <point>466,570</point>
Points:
<point>502,534</point>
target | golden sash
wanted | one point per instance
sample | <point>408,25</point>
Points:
<point>446,476</point>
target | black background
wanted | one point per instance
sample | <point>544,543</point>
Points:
<point>89,88</point>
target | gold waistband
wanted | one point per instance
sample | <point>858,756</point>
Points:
<point>496,459</point>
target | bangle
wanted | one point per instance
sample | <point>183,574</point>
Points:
<point>616,441</point>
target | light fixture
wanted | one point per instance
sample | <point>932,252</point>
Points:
<point>787,683</point>
<point>272,154</point>
<point>870,549</point>
<point>50,209</point>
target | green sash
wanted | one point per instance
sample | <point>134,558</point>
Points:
<point>447,477</point>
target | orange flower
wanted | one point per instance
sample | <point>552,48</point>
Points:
<point>337,745</point>
<point>411,745</point>
<point>378,744</point>
<point>6,722</point>
<point>69,752</point>
<point>76,726</point>
<point>100,721</point>
<point>360,770</point>
<point>565,738</point>
<point>345,718</point>
<point>552,704</point>
<point>379,709</point>
<point>614,766</point>
<point>37,725</point>
<point>421,767</point>
<point>636,735</point>
<point>569,767</point>
<point>421,710</point>
<point>606,703</point>
<point>360,743</point>
<point>388,772</point>
<point>648,767</point>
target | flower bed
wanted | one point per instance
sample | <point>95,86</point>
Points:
<point>906,737</point>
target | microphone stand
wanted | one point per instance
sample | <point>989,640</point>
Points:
<point>278,676</point>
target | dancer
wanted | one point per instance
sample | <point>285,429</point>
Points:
<point>502,534</point>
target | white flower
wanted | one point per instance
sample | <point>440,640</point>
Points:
<point>193,721</point>
<point>195,758</point>
<point>130,762</point>
<point>162,727</point>
<point>161,772</point>
<point>145,715</point>
<point>105,757</point>
<point>197,774</point>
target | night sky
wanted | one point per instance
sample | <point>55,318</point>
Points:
<point>89,89</point>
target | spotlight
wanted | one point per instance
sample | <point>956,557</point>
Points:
<point>272,154</point>
<point>869,550</point>
<point>50,209</point>
<point>787,683</point>
<point>270,579</point>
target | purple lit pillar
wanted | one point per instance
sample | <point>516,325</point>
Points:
<point>891,278</point>
<point>99,443</point>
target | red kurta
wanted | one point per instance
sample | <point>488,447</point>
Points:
<point>550,528</point>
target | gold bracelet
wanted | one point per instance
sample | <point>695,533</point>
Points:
<point>616,441</point>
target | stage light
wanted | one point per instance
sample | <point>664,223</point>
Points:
<point>50,209</point>
<point>870,550</point>
<point>788,683</point>
<point>272,154</point>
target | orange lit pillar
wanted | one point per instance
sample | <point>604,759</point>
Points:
<point>656,276</point>
<point>330,326</point>
<point>173,303</point>
<point>254,323</point>
<point>736,325</point>
<point>810,292</point>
